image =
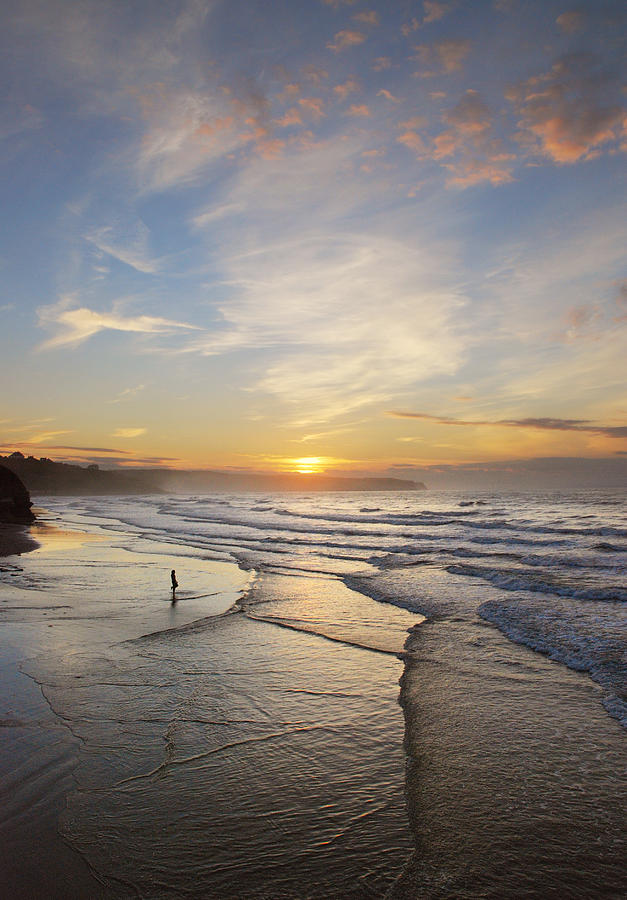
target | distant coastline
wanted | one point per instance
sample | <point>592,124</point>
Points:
<point>44,476</point>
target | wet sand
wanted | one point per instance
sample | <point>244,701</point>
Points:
<point>161,750</point>
<point>15,539</point>
<point>37,753</point>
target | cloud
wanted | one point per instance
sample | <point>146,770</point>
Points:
<point>413,141</point>
<point>443,56</point>
<point>367,18</point>
<point>408,27</point>
<point>187,130</point>
<point>435,10</point>
<point>348,87</point>
<point>568,113</point>
<point>44,436</point>
<point>127,394</point>
<point>315,74</point>
<point>76,325</point>
<point>85,449</point>
<point>289,118</point>
<point>127,244</point>
<point>547,424</point>
<point>358,109</point>
<point>350,320</point>
<point>388,96</point>
<point>212,215</point>
<point>128,432</point>
<point>381,63</point>
<point>346,38</point>
<point>314,105</point>
<point>324,298</point>
<point>467,147</point>
<point>571,22</point>
<point>580,320</point>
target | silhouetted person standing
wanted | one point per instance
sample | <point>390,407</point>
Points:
<point>175,584</point>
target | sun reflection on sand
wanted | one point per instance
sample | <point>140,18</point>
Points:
<point>52,538</point>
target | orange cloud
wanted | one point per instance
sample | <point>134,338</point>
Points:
<point>413,141</point>
<point>368,18</point>
<point>291,117</point>
<point>387,95</point>
<point>566,114</point>
<point>314,74</point>
<point>444,56</point>
<point>270,149</point>
<point>381,63</point>
<point>343,90</point>
<point>452,54</point>
<point>467,147</point>
<point>289,91</point>
<point>414,122</point>
<point>358,110</point>
<point>409,27</point>
<point>570,22</point>
<point>314,105</point>
<point>346,38</point>
<point>434,10</point>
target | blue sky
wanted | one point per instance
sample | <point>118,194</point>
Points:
<point>372,235</point>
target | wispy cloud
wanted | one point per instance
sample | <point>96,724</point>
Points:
<point>128,393</point>
<point>45,436</point>
<point>129,246</point>
<point>128,432</point>
<point>75,325</point>
<point>547,424</point>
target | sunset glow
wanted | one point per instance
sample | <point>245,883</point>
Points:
<point>308,465</point>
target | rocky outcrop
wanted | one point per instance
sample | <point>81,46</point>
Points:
<point>15,505</point>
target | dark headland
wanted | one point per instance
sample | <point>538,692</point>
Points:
<point>44,476</point>
<point>15,514</point>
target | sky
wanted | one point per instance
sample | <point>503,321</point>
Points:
<point>314,235</point>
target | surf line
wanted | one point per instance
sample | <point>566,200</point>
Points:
<point>280,623</point>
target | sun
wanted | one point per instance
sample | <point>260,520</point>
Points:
<point>308,465</point>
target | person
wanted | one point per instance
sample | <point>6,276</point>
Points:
<point>175,583</point>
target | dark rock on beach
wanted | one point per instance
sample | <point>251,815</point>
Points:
<point>15,504</point>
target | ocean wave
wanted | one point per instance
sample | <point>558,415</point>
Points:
<point>590,641</point>
<point>519,580</point>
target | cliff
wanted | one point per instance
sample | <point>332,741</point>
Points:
<point>43,476</point>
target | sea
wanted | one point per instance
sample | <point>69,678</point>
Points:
<point>351,695</point>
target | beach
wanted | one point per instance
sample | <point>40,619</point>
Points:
<point>252,740</point>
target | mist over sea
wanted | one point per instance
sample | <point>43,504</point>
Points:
<point>247,741</point>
